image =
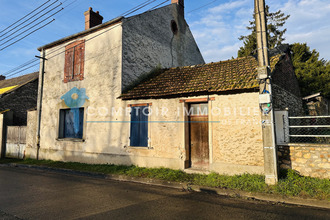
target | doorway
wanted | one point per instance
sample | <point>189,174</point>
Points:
<point>198,136</point>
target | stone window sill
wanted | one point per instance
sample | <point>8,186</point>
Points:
<point>140,147</point>
<point>70,139</point>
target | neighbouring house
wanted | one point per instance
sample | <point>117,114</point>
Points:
<point>17,96</point>
<point>317,105</point>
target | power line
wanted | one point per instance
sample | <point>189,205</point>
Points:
<point>126,12</point>
<point>202,6</point>
<point>25,16</point>
<point>140,7</point>
<point>104,31</point>
<point>15,72</point>
<point>20,66</point>
<point>36,24</point>
<point>158,5</point>
<point>32,17</point>
<point>30,28</point>
<point>33,22</point>
<point>22,70</point>
<point>27,35</point>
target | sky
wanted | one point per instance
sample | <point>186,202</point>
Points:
<point>215,24</point>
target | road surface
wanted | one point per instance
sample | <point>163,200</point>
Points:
<point>38,194</point>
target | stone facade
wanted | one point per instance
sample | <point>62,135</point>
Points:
<point>149,41</point>
<point>20,100</point>
<point>308,159</point>
<point>104,76</point>
<point>31,134</point>
<point>286,92</point>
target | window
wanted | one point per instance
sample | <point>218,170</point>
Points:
<point>71,123</point>
<point>74,61</point>
<point>174,27</point>
<point>139,126</point>
<point>200,109</point>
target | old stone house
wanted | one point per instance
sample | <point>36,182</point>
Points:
<point>99,63</point>
<point>221,131</point>
<point>136,91</point>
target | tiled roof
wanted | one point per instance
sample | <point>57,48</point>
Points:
<point>235,74</point>
<point>10,85</point>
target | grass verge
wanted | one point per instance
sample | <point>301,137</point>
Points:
<point>290,182</point>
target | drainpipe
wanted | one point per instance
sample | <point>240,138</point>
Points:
<point>265,96</point>
<point>40,93</point>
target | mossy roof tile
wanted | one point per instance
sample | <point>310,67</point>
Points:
<point>235,74</point>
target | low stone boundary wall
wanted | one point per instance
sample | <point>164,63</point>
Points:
<point>308,159</point>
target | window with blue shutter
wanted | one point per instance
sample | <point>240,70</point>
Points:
<point>71,123</point>
<point>139,126</point>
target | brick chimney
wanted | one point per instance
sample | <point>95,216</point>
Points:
<point>181,6</point>
<point>92,18</point>
<point>2,77</point>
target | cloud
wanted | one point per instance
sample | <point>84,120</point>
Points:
<point>309,23</point>
<point>218,29</point>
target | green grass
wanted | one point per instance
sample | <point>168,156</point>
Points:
<point>290,183</point>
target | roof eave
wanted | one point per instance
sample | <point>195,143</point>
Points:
<point>187,94</point>
<point>85,32</point>
<point>19,86</point>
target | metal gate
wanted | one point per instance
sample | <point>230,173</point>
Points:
<point>16,141</point>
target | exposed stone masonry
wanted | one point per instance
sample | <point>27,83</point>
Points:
<point>309,160</point>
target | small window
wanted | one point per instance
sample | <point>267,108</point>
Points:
<point>174,27</point>
<point>74,61</point>
<point>200,109</point>
<point>139,126</point>
<point>71,123</point>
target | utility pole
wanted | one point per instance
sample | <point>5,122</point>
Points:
<point>265,96</point>
<point>40,93</point>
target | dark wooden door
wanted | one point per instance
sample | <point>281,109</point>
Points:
<point>199,136</point>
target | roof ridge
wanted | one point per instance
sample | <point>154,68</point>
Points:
<point>211,63</point>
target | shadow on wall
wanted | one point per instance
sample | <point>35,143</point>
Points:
<point>284,158</point>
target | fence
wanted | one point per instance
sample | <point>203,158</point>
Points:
<point>307,129</point>
<point>16,139</point>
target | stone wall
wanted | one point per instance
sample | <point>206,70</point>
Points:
<point>149,41</point>
<point>282,100</point>
<point>20,100</point>
<point>286,92</point>
<point>308,159</point>
<point>31,134</point>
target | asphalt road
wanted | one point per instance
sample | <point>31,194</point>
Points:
<point>36,194</point>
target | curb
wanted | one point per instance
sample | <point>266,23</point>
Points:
<point>277,199</point>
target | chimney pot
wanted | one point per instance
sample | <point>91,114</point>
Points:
<point>92,18</point>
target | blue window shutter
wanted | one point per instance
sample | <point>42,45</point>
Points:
<point>139,126</point>
<point>81,123</point>
<point>135,126</point>
<point>144,126</point>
